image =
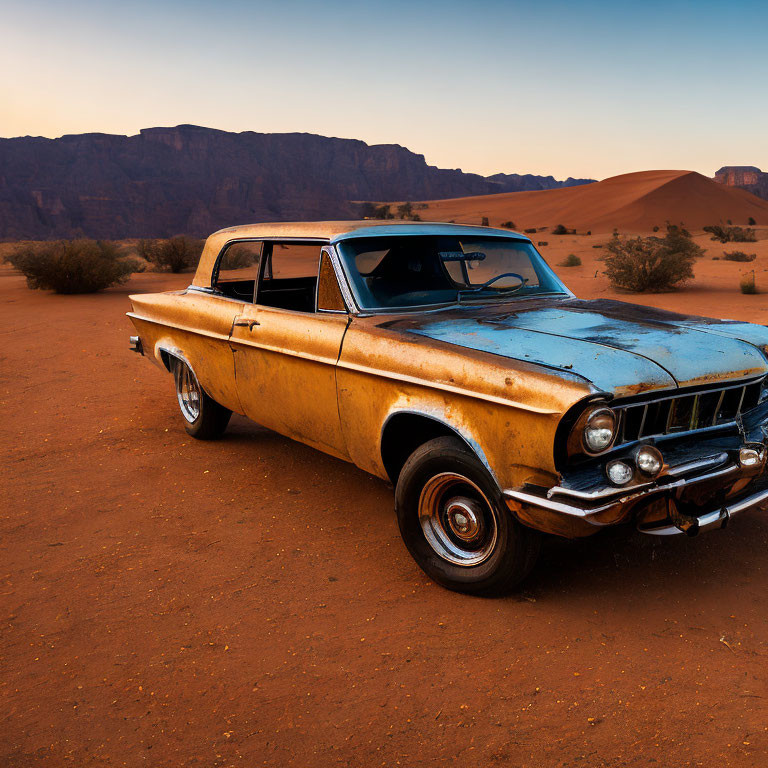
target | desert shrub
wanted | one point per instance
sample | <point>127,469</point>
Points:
<point>174,255</point>
<point>572,260</point>
<point>530,231</point>
<point>731,234</point>
<point>238,258</point>
<point>656,229</point>
<point>405,210</point>
<point>484,221</point>
<point>371,211</point>
<point>598,245</point>
<point>73,266</point>
<point>747,283</point>
<point>739,256</point>
<point>542,242</point>
<point>560,229</point>
<point>508,224</point>
<point>651,263</point>
<point>751,221</point>
<point>589,232</point>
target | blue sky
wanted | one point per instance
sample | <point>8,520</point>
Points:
<point>573,89</point>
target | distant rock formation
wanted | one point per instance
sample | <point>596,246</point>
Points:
<point>515,182</point>
<point>194,180</point>
<point>745,176</point>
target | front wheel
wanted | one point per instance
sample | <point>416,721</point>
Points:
<point>204,418</point>
<point>455,523</point>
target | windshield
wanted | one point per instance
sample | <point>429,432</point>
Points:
<point>409,271</point>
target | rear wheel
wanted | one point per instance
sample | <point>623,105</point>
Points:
<point>455,523</point>
<point>203,417</point>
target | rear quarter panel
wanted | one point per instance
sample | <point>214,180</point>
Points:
<point>195,326</point>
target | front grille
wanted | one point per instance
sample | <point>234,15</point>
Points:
<point>686,412</point>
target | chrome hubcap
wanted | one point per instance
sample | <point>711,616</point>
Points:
<point>465,518</point>
<point>457,519</point>
<point>188,393</point>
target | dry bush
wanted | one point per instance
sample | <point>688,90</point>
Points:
<point>731,234</point>
<point>530,231</point>
<point>371,211</point>
<point>739,256</point>
<point>406,211</point>
<point>508,225</point>
<point>560,229</point>
<point>484,222</point>
<point>238,258</point>
<point>747,283</point>
<point>173,255</point>
<point>572,260</point>
<point>651,263</point>
<point>73,266</point>
<point>751,221</point>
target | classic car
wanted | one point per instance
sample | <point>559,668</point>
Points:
<point>452,362</point>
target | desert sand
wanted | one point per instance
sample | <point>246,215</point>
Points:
<point>167,602</point>
<point>632,202</point>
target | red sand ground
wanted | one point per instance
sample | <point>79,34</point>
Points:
<point>632,202</point>
<point>247,602</point>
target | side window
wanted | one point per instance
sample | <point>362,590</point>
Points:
<point>329,296</point>
<point>289,276</point>
<point>237,270</point>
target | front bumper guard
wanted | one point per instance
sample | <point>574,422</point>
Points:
<point>717,518</point>
<point>611,509</point>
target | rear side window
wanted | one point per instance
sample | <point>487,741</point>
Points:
<point>237,270</point>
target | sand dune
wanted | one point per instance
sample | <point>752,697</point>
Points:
<point>630,202</point>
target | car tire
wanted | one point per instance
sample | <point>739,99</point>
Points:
<point>203,417</point>
<point>456,525</point>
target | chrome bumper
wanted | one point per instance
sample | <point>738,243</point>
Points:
<point>601,509</point>
<point>135,345</point>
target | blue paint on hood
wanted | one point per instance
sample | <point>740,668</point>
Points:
<point>620,348</point>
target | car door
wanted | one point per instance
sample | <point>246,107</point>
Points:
<point>286,347</point>
<point>202,320</point>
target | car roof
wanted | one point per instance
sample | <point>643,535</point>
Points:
<point>331,232</point>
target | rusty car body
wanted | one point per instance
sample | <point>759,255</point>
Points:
<point>498,404</point>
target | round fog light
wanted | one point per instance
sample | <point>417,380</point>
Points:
<point>649,460</point>
<point>619,472</point>
<point>749,457</point>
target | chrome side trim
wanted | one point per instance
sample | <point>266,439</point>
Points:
<point>424,382</point>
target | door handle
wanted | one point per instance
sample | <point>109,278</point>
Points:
<point>249,324</point>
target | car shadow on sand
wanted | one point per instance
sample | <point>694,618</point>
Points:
<point>615,562</point>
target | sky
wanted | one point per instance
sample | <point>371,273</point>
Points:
<point>582,89</point>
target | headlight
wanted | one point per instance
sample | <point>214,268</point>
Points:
<point>599,430</point>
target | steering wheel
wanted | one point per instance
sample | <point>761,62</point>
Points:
<point>488,283</point>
